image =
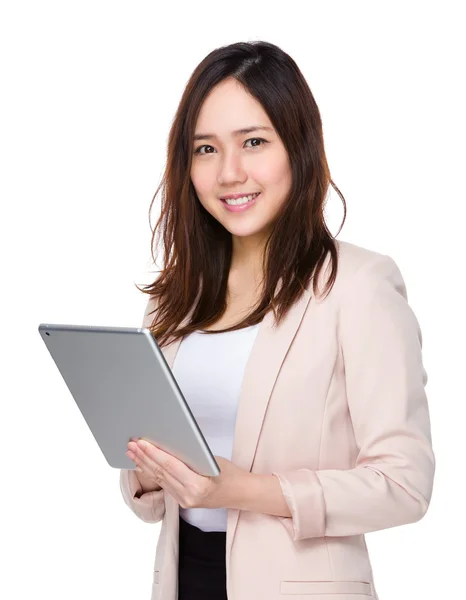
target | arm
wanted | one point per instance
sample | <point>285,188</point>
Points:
<point>147,505</point>
<point>258,493</point>
<point>392,481</point>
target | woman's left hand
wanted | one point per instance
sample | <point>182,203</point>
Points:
<point>187,487</point>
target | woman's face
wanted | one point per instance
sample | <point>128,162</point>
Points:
<point>228,163</point>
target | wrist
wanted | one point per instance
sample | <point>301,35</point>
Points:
<point>262,494</point>
<point>244,494</point>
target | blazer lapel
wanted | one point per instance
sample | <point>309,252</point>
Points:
<point>261,371</point>
<point>267,355</point>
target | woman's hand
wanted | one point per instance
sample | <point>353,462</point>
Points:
<point>187,487</point>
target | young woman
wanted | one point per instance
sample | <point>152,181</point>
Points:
<point>298,354</point>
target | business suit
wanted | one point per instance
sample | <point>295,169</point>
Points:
<point>333,403</point>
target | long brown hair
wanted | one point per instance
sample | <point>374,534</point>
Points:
<point>197,248</point>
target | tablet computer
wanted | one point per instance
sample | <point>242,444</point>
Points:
<point>124,388</point>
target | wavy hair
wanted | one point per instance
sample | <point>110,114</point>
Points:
<point>197,248</point>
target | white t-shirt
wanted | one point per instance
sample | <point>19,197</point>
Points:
<point>209,369</point>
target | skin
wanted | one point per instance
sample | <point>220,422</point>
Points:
<point>231,164</point>
<point>233,488</point>
<point>189,489</point>
<point>227,164</point>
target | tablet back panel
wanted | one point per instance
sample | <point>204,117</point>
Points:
<point>124,388</point>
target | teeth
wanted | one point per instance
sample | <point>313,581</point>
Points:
<point>242,200</point>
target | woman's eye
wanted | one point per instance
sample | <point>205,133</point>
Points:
<point>198,150</point>
<point>257,140</point>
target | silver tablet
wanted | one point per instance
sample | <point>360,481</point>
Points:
<point>124,388</point>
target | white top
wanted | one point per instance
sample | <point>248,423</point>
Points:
<point>209,370</point>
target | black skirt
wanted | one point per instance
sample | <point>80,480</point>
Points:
<point>201,565</point>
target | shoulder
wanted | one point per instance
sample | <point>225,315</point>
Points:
<point>366,274</point>
<point>361,268</point>
<point>352,258</point>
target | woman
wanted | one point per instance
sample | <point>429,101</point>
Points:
<point>298,354</point>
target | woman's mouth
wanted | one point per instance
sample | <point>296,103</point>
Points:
<point>240,204</point>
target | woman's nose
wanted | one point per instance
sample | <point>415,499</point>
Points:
<point>231,169</point>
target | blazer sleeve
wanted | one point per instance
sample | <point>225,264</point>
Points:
<point>391,483</point>
<point>150,507</point>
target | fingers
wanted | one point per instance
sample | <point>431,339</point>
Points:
<point>157,463</point>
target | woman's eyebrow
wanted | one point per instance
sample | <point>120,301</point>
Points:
<point>243,131</point>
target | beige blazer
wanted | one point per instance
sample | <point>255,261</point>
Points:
<point>333,403</point>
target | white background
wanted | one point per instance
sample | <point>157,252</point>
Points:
<point>88,92</point>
